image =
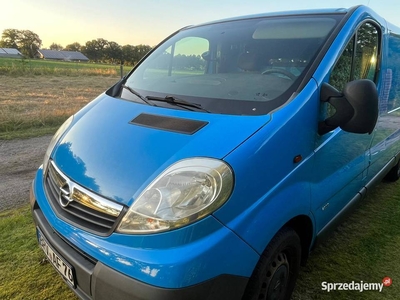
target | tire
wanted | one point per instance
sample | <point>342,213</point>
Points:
<point>394,173</point>
<point>275,274</point>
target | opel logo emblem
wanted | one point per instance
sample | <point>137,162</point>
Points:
<point>64,195</point>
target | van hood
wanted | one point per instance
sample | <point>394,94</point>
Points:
<point>117,147</point>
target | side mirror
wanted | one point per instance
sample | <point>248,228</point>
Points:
<point>356,108</point>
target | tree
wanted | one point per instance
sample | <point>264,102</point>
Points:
<point>73,47</point>
<point>10,38</point>
<point>55,46</point>
<point>26,41</point>
<point>132,54</point>
<point>128,54</point>
<point>113,52</point>
<point>29,43</point>
<point>91,51</point>
<point>99,50</point>
<point>140,51</point>
<point>94,49</point>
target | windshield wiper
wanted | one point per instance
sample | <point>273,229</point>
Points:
<point>177,101</point>
<point>144,99</point>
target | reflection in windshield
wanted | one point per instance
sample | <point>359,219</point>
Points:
<point>238,67</point>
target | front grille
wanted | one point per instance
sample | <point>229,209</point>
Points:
<point>80,206</point>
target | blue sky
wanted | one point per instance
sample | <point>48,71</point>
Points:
<point>147,21</point>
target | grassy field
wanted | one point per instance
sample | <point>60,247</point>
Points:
<point>364,248</point>
<point>37,105</point>
<point>20,67</point>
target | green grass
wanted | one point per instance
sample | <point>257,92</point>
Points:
<point>23,275</point>
<point>37,105</point>
<point>30,132</point>
<point>364,248</point>
<point>19,67</point>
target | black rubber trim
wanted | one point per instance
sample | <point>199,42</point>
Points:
<point>339,218</point>
<point>110,284</point>
<point>382,173</point>
<point>179,125</point>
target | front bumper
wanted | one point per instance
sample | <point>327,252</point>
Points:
<point>95,279</point>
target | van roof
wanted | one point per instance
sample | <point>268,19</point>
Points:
<point>283,13</point>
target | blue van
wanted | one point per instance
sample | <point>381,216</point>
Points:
<point>226,154</point>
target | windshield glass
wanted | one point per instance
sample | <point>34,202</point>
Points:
<point>237,67</point>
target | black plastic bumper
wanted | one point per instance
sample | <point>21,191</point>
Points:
<point>96,281</point>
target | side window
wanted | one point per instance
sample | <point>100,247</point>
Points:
<point>187,56</point>
<point>366,52</point>
<point>342,70</point>
<point>390,92</point>
<point>359,59</point>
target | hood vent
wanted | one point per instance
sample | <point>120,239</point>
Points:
<point>179,125</point>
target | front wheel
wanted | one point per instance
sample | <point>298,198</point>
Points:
<point>276,272</point>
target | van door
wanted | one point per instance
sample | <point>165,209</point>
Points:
<point>341,158</point>
<point>385,144</point>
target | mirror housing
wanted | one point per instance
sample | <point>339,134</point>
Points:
<point>356,108</point>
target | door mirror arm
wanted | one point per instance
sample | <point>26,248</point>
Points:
<point>343,110</point>
<point>356,108</point>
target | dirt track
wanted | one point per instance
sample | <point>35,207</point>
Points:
<point>19,160</point>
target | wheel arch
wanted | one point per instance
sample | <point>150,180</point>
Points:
<point>303,226</point>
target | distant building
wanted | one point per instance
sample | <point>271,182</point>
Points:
<point>61,55</point>
<point>10,52</point>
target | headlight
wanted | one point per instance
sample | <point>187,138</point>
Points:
<point>184,193</point>
<point>54,141</point>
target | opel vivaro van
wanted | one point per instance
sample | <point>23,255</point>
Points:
<point>222,158</point>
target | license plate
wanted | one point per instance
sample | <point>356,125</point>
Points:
<point>58,263</point>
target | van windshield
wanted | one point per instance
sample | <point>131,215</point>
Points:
<point>241,67</point>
